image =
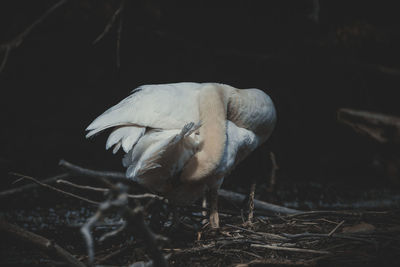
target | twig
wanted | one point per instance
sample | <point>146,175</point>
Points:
<point>312,235</point>
<point>262,234</point>
<point>106,190</point>
<point>118,49</point>
<point>334,229</point>
<point>85,187</point>
<point>114,253</point>
<point>322,212</point>
<point>55,189</point>
<point>134,218</point>
<point>27,187</point>
<point>290,249</point>
<point>40,242</point>
<point>259,205</point>
<point>17,41</point>
<point>91,173</point>
<point>113,233</point>
<point>250,203</point>
<point>111,22</point>
<point>274,168</point>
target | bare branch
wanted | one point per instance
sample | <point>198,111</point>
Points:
<point>24,188</point>
<point>56,189</point>
<point>17,41</point>
<point>91,173</point>
<point>118,57</point>
<point>272,178</point>
<point>106,190</point>
<point>111,22</point>
<point>113,233</point>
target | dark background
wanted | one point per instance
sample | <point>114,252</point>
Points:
<point>57,81</point>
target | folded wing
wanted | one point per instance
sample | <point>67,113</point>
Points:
<point>164,106</point>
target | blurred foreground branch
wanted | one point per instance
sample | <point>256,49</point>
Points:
<point>48,247</point>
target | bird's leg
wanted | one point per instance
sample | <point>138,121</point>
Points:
<point>214,218</point>
<point>250,202</point>
<point>204,212</point>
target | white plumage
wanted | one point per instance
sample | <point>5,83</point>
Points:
<point>181,138</point>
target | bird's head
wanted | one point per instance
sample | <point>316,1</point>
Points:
<point>254,110</point>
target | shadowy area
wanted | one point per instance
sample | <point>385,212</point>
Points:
<point>311,57</point>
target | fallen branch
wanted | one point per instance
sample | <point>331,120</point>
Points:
<point>39,242</point>
<point>290,249</point>
<point>258,205</point>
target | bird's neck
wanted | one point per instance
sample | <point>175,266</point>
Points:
<point>212,110</point>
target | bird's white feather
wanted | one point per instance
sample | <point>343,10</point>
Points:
<point>127,136</point>
<point>165,106</point>
<point>169,149</point>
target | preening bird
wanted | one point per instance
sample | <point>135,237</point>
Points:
<point>181,139</point>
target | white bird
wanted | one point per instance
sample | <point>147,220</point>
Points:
<point>183,138</point>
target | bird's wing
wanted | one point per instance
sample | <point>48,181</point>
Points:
<point>169,149</point>
<point>164,106</point>
<point>125,136</point>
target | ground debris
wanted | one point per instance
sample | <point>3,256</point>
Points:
<point>310,238</point>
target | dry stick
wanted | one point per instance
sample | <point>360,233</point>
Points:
<point>275,167</point>
<point>229,195</point>
<point>334,229</point>
<point>324,212</point>
<point>290,249</point>
<point>56,189</point>
<point>109,25</point>
<point>262,234</point>
<point>17,41</point>
<point>105,190</point>
<point>40,242</point>
<point>27,187</point>
<point>250,215</point>
<point>259,205</point>
<point>91,173</point>
<point>340,236</point>
<point>118,61</point>
<point>85,187</point>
